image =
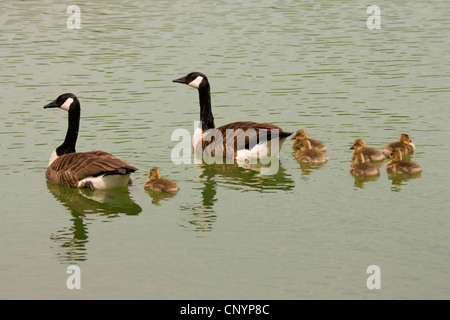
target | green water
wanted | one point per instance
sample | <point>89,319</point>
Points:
<point>230,232</point>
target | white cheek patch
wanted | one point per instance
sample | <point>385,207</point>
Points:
<point>66,105</point>
<point>196,83</point>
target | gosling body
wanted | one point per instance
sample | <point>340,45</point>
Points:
<point>302,134</point>
<point>404,145</point>
<point>398,165</point>
<point>307,154</point>
<point>156,183</point>
<point>362,168</point>
<point>370,154</point>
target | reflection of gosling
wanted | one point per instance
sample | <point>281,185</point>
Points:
<point>404,144</point>
<point>370,154</point>
<point>397,165</point>
<point>156,183</point>
<point>307,154</point>
<point>302,135</point>
<point>362,168</point>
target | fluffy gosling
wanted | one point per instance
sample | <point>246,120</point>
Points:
<point>302,135</point>
<point>156,183</point>
<point>370,154</point>
<point>397,165</point>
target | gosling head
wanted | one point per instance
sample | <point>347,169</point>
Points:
<point>66,101</point>
<point>195,80</point>
<point>396,155</point>
<point>358,144</point>
<point>305,145</point>
<point>155,174</point>
<point>300,135</point>
<point>404,138</point>
<point>359,158</point>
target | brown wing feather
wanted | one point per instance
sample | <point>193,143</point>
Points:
<point>68,169</point>
<point>247,134</point>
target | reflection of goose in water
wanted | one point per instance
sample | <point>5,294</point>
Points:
<point>232,176</point>
<point>84,202</point>
<point>250,177</point>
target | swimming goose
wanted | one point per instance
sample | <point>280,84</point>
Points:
<point>249,139</point>
<point>307,154</point>
<point>404,144</point>
<point>93,169</point>
<point>370,154</point>
<point>397,165</point>
<point>303,134</point>
<point>362,168</point>
<point>156,183</point>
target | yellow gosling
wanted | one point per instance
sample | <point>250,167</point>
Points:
<point>397,165</point>
<point>302,135</point>
<point>156,183</point>
<point>404,144</point>
<point>370,154</point>
<point>362,168</point>
<point>307,154</point>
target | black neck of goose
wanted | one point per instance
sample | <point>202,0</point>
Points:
<point>70,141</point>
<point>206,116</point>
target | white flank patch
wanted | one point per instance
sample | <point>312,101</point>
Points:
<point>261,150</point>
<point>112,181</point>
<point>196,83</point>
<point>52,158</point>
<point>67,104</point>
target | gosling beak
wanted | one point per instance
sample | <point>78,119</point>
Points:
<point>352,147</point>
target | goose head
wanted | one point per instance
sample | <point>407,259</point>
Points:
<point>195,80</point>
<point>300,135</point>
<point>66,101</point>
<point>155,174</point>
<point>358,144</point>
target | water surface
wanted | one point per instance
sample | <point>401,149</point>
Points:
<point>230,232</point>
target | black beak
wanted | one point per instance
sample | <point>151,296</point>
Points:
<point>293,138</point>
<point>180,80</point>
<point>52,104</point>
<point>352,147</point>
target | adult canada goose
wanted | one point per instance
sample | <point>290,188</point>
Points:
<point>404,144</point>
<point>370,154</point>
<point>302,134</point>
<point>307,154</point>
<point>363,168</point>
<point>156,183</point>
<point>397,165</point>
<point>93,169</point>
<point>245,139</point>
